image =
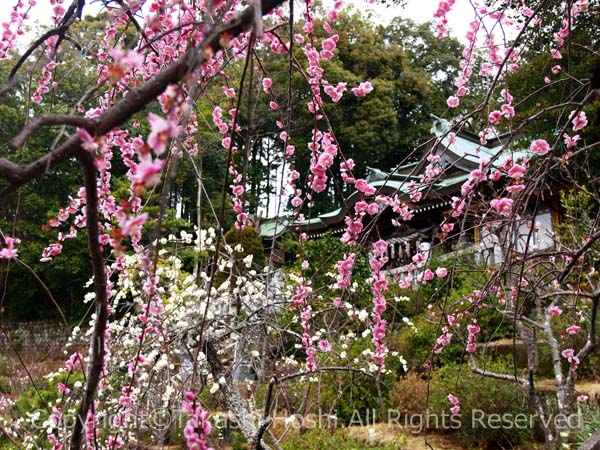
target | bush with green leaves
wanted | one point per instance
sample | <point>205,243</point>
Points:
<point>591,423</point>
<point>342,393</point>
<point>502,398</point>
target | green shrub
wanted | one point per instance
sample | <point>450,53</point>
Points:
<point>33,400</point>
<point>483,397</point>
<point>591,422</point>
<point>418,346</point>
<point>5,387</point>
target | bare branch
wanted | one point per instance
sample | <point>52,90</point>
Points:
<point>497,376</point>
<point>51,119</point>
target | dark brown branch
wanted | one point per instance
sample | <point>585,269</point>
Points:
<point>75,10</point>
<point>97,347</point>
<point>263,426</point>
<point>591,342</point>
<point>51,119</point>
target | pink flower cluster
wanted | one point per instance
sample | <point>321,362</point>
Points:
<point>455,404</point>
<point>441,24</point>
<point>502,205</point>
<point>321,162</point>
<point>8,39</point>
<point>51,251</point>
<point>124,61</point>
<point>539,147</point>
<point>335,92</point>
<point>162,130</point>
<point>473,330</point>
<point>380,285</point>
<point>506,110</point>
<point>329,44</point>
<point>353,228</point>
<point>8,249</point>
<point>554,310</point>
<point>345,268</point>
<point>362,89</point>
<point>475,177</point>
<point>198,426</point>
<point>54,419</point>
<point>569,355</point>
<point>43,82</point>
<point>91,422</point>
<point>579,120</point>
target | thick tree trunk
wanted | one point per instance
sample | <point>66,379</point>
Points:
<point>246,420</point>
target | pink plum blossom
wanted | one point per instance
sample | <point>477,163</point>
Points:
<point>267,83</point>
<point>555,53</point>
<point>515,188</point>
<point>147,173</point>
<point>494,117</point>
<point>363,89</point>
<point>441,272</point>
<point>364,187</point>
<point>453,399</point>
<point>8,249</point>
<point>507,111</point>
<point>229,92</point>
<point>324,346</point>
<point>380,248</point>
<point>237,189</point>
<point>554,310</point>
<point>162,130</point>
<point>503,206</point>
<point>516,171</point>
<point>453,101</point>
<point>571,142</point>
<point>540,147</point>
<point>89,143</point>
<point>427,275</point>
<point>579,121</point>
